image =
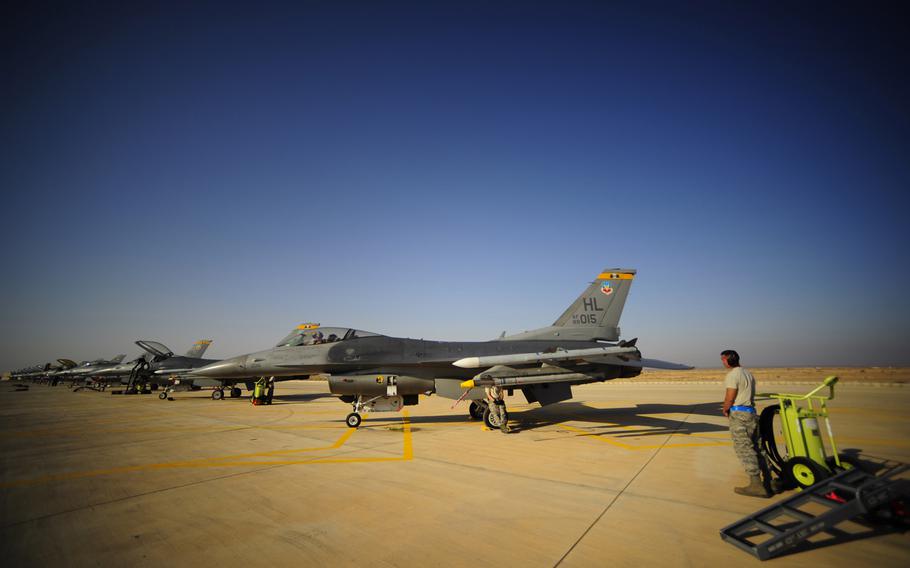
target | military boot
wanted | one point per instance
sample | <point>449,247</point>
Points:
<point>755,488</point>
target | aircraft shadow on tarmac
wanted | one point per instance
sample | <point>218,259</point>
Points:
<point>301,397</point>
<point>619,422</point>
<point>627,422</point>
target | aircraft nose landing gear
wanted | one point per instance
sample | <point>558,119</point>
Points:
<point>374,404</point>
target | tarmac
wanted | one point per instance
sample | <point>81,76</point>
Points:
<point>625,474</point>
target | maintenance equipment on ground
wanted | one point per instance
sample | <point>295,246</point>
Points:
<point>805,461</point>
<point>846,496</point>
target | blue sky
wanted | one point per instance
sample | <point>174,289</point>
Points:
<point>451,171</point>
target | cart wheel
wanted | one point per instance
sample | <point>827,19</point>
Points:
<point>476,410</point>
<point>353,420</point>
<point>804,472</point>
<point>162,396</point>
<point>772,440</point>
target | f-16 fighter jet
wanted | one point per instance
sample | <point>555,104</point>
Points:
<point>160,366</point>
<point>86,369</point>
<point>375,372</point>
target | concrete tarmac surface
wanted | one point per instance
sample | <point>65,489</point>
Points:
<point>625,474</point>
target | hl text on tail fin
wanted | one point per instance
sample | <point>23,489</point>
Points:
<point>595,313</point>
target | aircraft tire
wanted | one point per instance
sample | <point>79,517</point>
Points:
<point>489,423</point>
<point>353,420</point>
<point>162,396</point>
<point>217,394</point>
<point>476,410</point>
<point>235,392</point>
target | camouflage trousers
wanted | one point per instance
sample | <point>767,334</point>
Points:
<point>744,430</point>
<point>497,412</point>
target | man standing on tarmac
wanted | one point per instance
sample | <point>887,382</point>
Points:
<point>739,406</point>
<point>497,407</point>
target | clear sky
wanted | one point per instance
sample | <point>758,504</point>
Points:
<point>453,170</point>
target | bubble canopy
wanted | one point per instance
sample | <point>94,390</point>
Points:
<point>305,335</point>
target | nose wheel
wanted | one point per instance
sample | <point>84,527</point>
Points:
<point>162,395</point>
<point>353,420</point>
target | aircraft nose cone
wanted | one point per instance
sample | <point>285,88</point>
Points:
<point>227,368</point>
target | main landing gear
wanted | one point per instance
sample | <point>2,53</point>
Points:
<point>477,409</point>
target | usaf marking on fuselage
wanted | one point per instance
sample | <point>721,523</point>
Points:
<point>375,372</point>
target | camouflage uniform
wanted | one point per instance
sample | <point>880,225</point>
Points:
<point>497,406</point>
<point>744,430</point>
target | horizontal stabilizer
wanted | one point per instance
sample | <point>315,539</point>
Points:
<point>667,365</point>
<point>533,358</point>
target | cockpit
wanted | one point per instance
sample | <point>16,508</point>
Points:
<point>311,334</point>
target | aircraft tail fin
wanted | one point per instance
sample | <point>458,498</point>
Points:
<point>595,313</point>
<point>119,358</point>
<point>199,348</point>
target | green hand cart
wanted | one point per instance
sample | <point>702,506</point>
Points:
<point>805,461</point>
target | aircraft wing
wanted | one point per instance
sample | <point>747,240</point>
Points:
<point>658,364</point>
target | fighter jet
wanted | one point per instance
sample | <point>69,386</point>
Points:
<point>118,373</point>
<point>85,369</point>
<point>160,366</point>
<point>375,372</point>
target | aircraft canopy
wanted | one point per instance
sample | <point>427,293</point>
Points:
<point>316,336</point>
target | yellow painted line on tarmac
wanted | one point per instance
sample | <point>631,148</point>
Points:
<point>72,433</point>
<point>237,460</point>
<point>617,443</point>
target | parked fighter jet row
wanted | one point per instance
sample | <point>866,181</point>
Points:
<point>374,372</point>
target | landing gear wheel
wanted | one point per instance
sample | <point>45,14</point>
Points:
<point>493,423</point>
<point>217,394</point>
<point>235,392</point>
<point>163,396</point>
<point>804,472</point>
<point>476,410</point>
<point>353,420</point>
